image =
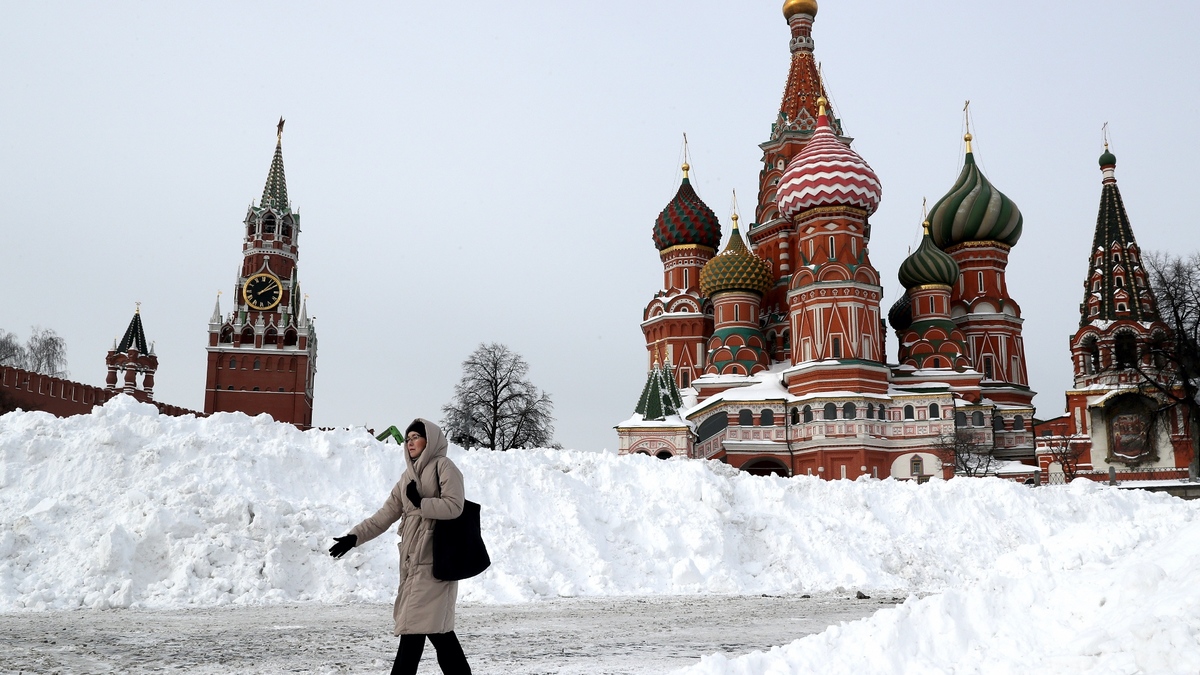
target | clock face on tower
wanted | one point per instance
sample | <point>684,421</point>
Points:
<point>262,291</point>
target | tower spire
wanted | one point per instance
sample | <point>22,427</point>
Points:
<point>967,124</point>
<point>216,315</point>
<point>797,111</point>
<point>274,193</point>
<point>686,160</point>
<point>1117,283</point>
<point>135,335</point>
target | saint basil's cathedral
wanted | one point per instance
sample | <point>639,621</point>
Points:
<point>770,354</point>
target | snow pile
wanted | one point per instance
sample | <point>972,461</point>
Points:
<point>128,508</point>
<point>1127,602</point>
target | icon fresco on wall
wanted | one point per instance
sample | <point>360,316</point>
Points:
<point>1129,430</point>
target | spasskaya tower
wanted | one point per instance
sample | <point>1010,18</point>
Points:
<point>262,355</point>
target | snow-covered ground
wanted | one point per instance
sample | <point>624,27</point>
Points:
<point>126,508</point>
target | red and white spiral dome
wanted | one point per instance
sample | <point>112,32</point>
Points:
<point>827,173</point>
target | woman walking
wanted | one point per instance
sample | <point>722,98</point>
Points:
<point>431,489</point>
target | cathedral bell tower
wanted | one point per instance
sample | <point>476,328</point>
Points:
<point>262,355</point>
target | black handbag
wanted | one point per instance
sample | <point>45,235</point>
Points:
<point>458,548</point>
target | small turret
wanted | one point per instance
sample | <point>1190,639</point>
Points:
<point>735,269</point>
<point>928,265</point>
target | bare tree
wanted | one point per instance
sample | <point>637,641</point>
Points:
<point>1169,369</point>
<point>495,406</point>
<point>1067,451</point>
<point>12,352</point>
<point>45,352</point>
<point>967,451</point>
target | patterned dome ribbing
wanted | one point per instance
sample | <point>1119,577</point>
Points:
<point>928,265</point>
<point>827,173</point>
<point>973,210</point>
<point>687,220</point>
<point>735,269</point>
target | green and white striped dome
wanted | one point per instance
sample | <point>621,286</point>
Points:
<point>928,265</point>
<point>974,210</point>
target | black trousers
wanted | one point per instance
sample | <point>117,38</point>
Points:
<point>449,654</point>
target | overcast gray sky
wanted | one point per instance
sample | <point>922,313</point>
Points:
<point>472,171</point>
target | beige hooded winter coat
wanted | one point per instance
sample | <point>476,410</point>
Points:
<point>423,604</point>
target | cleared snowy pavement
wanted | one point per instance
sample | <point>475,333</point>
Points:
<point>610,635</point>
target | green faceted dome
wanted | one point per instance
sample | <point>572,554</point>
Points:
<point>974,210</point>
<point>928,265</point>
<point>735,269</point>
<point>1107,159</point>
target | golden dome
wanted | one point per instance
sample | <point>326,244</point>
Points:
<point>794,7</point>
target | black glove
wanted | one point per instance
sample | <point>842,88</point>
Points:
<point>343,545</point>
<point>412,494</point>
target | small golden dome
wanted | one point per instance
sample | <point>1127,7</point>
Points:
<point>794,7</point>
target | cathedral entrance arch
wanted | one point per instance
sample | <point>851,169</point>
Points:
<point>765,466</point>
